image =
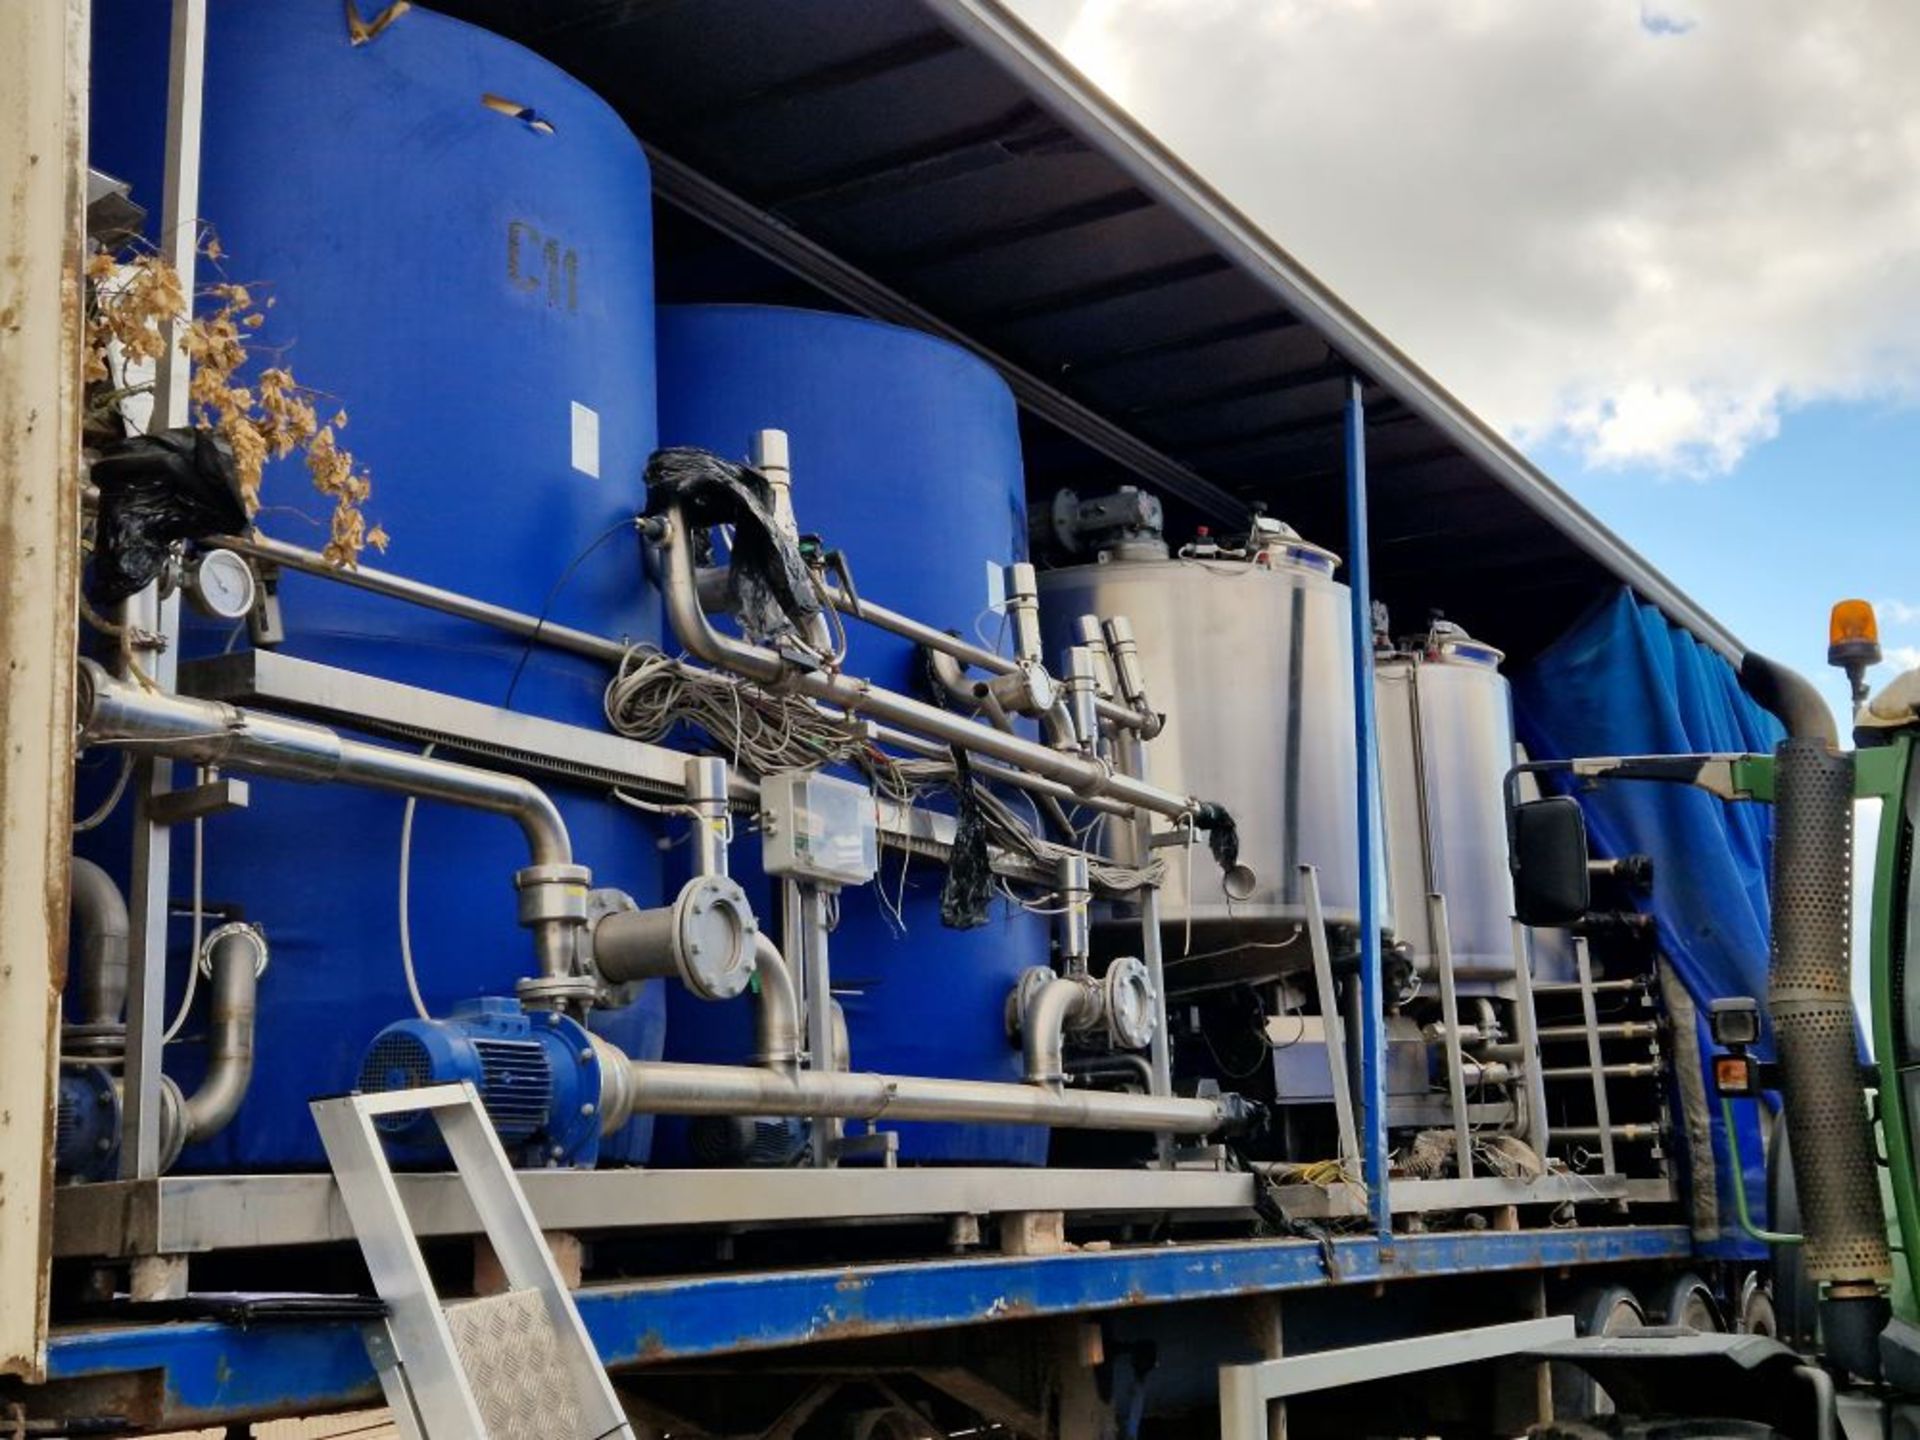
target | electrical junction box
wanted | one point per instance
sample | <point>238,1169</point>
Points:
<point>817,827</point>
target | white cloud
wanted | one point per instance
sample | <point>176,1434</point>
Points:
<point>1901,658</point>
<point>1896,612</point>
<point>1647,229</point>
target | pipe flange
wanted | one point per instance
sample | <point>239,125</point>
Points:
<point>173,1123</point>
<point>557,992</point>
<point>235,930</point>
<point>601,904</point>
<point>105,1041</point>
<point>1026,990</point>
<point>713,937</point>
<point>618,1092</point>
<point>1129,1004</point>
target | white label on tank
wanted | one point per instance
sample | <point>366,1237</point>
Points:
<point>586,440</point>
<point>996,588</point>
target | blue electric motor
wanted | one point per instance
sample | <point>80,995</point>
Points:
<point>538,1076</point>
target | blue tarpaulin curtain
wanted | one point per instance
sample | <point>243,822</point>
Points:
<point>1624,681</point>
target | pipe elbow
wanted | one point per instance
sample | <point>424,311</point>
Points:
<point>236,957</point>
<point>548,842</point>
<point>100,912</point>
<point>778,1017</point>
<point>689,621</point>
<point>951,676</point>
<point>1059,1004</point>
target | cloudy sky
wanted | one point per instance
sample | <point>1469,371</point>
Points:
<point>1672,249</point>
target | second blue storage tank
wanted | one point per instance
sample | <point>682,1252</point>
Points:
<point>906,456</point>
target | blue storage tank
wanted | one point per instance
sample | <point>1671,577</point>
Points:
<point>906,455</point>
<point>474,287</point>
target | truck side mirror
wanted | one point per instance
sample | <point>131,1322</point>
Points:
<point>1550,880</point>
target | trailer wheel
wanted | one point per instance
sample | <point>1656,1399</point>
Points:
<point>1685,1300</point>
<point>1600,1310</point>
<point>1756,1308</point>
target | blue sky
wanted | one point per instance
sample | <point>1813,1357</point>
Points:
<point>1828,508</point>
<point>1670,247</point>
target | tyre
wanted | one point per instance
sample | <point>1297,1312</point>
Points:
<point>1600,1310</point>
<point>1685,1300</point>
<point>1756,1308</point>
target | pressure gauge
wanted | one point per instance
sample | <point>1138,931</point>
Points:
<point>221,584</point>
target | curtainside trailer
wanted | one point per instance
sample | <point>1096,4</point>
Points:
<point>728,719</point>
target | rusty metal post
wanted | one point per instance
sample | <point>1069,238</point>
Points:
<point>43,186</point>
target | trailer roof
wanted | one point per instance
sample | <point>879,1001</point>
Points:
<point>934,163</point>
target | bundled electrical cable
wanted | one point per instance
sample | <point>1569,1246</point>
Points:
<point>763,732</point>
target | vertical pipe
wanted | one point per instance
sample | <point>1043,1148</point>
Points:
<point>712,825</point>
<point>1450,1024</point>
<point>1373,1020</point>
<point>1132,754</point>
<point>813,925</point>
<point>1332,1027</point>
<point>1527,1024</point>
<point>43,174</point>
<point>153,777</point>
<point>1590,1019</point>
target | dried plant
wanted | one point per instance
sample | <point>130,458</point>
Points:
<point>132,303</point>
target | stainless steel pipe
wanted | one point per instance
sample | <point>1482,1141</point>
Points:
<point>430,597</point>
<point>1060,1005</point>
<point>210,732</point>
<point>999,774</point>
<point>600,647</point>
<point>776,1016</point>
<point>664,1088</point>
<point>235,956</point>
<point>1082,775</point>
<point>100,914</point>
<point>942,642</point>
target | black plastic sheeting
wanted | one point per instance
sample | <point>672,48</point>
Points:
<point>157,490</point>
<point>768,582</point>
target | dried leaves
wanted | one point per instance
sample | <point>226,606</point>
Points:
<point>131,307</point>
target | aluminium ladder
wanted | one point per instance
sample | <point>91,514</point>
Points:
<point>514,1366</point>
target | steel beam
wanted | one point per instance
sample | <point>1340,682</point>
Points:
<point>1245,1390</point>
<point>43,187</point>
<point>217,1373</point>
<point>191,1214</point>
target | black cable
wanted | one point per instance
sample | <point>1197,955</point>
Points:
<point>540,621</point>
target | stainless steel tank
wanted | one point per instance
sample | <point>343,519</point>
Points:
<point>1248,654</point>
<point>1446,743</point>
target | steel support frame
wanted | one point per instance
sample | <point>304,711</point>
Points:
<point>1373,1021</point>
<point>158,616</point>
<point>1246,1390</point>
<point>215,1373</point>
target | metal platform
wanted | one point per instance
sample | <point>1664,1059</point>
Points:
<point>192,1214</point>
<point>1414,1197</point>
<point>203,1373</point>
